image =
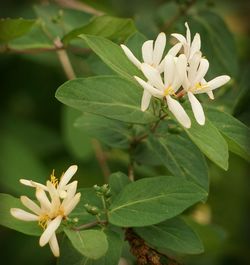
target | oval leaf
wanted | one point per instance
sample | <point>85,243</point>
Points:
<point>6,219</point>
<point>109,96</point>
<point>90,243</point>
<point>173,234</point>
<point>153,200</point>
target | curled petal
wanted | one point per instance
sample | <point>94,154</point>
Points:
<point>153,76</point>
<point>30,205</point>
<point>50,230</point>
<point>53,243</point>
<point>146,97</point>
<point>23,215</point>
<point>67,176</point>
<point>153,91</point>
<point>181,74</point>
<point>197,109</point>
<point>180,38</point>
<point>178,111</point>
<point>131,56</point>
<point>147,51</point>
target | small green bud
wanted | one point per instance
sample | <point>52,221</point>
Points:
<point>92,209</point>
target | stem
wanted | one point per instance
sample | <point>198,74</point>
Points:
<point>102,160</point>
<point>105,207</point>
<point>79,6</point>
<point>64,59</point>
<point>89,225</point>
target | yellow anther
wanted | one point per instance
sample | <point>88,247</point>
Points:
<point>199,86</point>
<point>43,221</point>
<point>168,91</point>
<point>54,179</point>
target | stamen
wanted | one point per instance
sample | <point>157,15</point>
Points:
<point>169,91</point>
<point>199,86</point>
<point>43,220</point>
<point>54,179</point>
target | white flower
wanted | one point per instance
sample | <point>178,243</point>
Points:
<point>49,213</point>
<point>190,48</point>
<point>152,52</point>
<point>62,185</point>
<point>174,71</point>
<point>194,83</point>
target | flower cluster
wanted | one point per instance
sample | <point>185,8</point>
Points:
<point>181,71</point>
<point>56,200</point>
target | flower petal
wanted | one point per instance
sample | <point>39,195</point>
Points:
<point>197,109</point>
<point>210,94</point>
<point>71,191</point>
<point>175,49</point>
<point>181,73</point>
<point>27,202</point>
<point>217,82</point>
<point>159,48</point>
<point>155,92</point>
<point>180,38</point>
<point>43,199</point>
<point>169,70</point>
<point>178,111</point>
<point>33,184</point>
<point>53,243</point>
<point>67,176</point>
<point>195,46</point>
<point>50,230</point>
<point>145,101</point>
<point>188,34</point>
<point>202,70</point>
<point>70,205</point>
<point>153,76</point>
<point>193,66</point>
<point>147,51</point>
<point>131,56</point>
<point>23,215</point>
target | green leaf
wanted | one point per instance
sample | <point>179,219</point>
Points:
<point>173,234</point>
<point>117,182</point>
<point>111,132</point>
<point>217,42</point>
<point>235,132</point>
<point>105,26</point>
<point>6,219</point>
<point>13,28</point>
<point>179,154</point>
<point>70,256</point>
<point>109,96</point>
<point>77,141</point>
<point>92,244</point>
<point>153,200</point>
<point>58,21</point>
<point>112,55</point>
<point>210,141</point>
<point>19,161</point>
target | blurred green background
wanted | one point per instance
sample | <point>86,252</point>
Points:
<point>37,132</point>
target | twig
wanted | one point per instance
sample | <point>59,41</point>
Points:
<point>79,6</point>
<point>64,59</point>
<point>89,225</point>
<point>101,158</point>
